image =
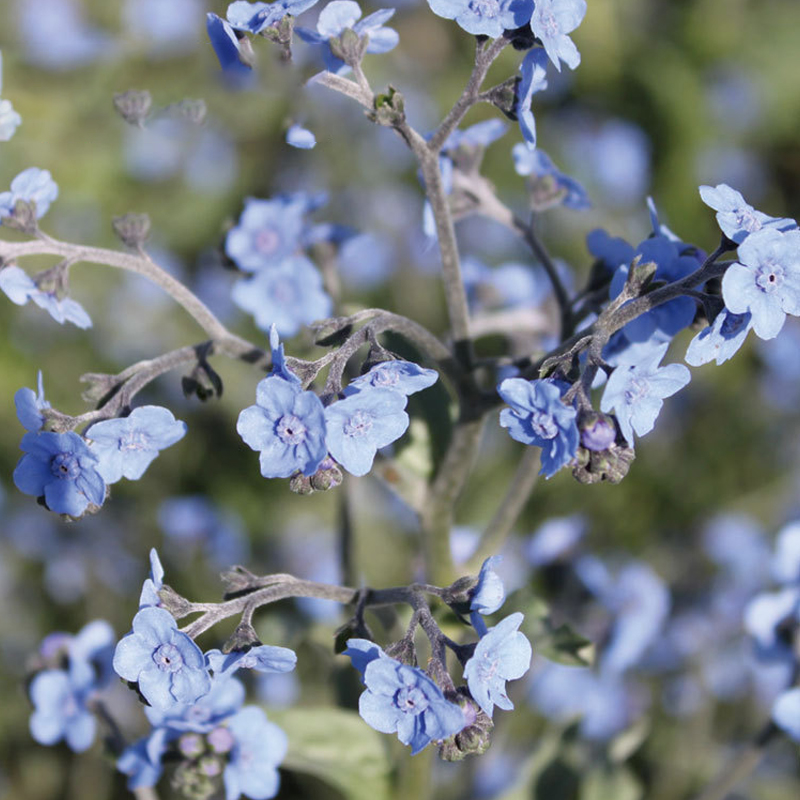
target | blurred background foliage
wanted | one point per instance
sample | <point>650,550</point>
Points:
<point>670,94</point>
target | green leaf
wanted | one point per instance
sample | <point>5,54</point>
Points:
<point>338,747</point>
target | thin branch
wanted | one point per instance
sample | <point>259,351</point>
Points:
<point>344,86</point>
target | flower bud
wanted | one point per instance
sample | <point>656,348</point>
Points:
<point>132,229</point>
<point>598,431</point>
<point>133,106</point>
<point>327,476</point>
<point>476,736</point>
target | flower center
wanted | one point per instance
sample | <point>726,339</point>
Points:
<point>267,241</point>
<point>544,425</point>
<point>548,24</point>
<point>168,658</point>
<point>411,700</point>
<point>134,440</point>
<point>385,377</point>
<point>746,219</point>
<point>358,424</point>
<point>290,429</point>
<point>485,8</point>
<point>769,277</point>
<point>284,292</point>
<point>637,389</point>
<point>66,466</point>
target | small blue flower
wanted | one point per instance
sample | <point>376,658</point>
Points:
<point>489,593</point>
<point>484,17</point>
<point>168,666</point>
<point>128,445</point>
<point>287,426</point>
<point>361,424</point>
<point>9,119</point>
<point>404,700</point>
<point>263,658</point>
<point>404,377</point>
<point>786,712</point>
<point>61,468</point>
<point>766,281</point>
<point>540,165</point>
<point>736,218</point>
<point>534,79</point>
<point>502,654</point>
<point>279,367</point>
<point>141,761</point>
<point>766,614</point>
<point>481,134</point>
<point>636,393</point>
<point>298,136</point>
<point>551,21</point>
<point>259,748</point>
<point>537,416</point>
<point>32,185</point>
<point>555,540</point>
<point>60,708</point>
<point>288,295</point>
<point>152,585</point>
<point>721,340</point>
<point>19,287</point>
<point>255,17</point>
<point>611,250</point>
<point>342,14</point>
<point>362,652</point>
<point>30,405</point>
<point>228,48</point>
<point>786,560</point>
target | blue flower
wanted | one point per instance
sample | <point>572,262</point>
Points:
<point>90,653</point>
<point>489,593</point>
<point>141,761</point>
<point>502,654</point>
<point>268,231</point>
<point>786,712</point>
<point>228,48</point>
<point>128,445</point>
<point>481,134</point>
<point>363,422</point>
<point>9,119</point>
<point>300,137</point>
<point>611,250</point>
<point>288,295</point>
<point>30,405</point>
<point>538,417</point>
<point>766,614</point>
<point>721,340</point>
<point>62,468</point>
<point>255,17</point>
<point>555,539</point>
<point>786,561</point>
<point>766,281</point>
<point>152,585</point>
<point>60,708</point>
<point>339,15</point>
<point>287,426</point>
<point>362,652</point>
<point>32,185</point>
<point>736,218</point>
<point>404,377</point>
<point>636,393</point>
<point>534,79</point>
<point>484,17</point>
<point>279,367</point>
<point>540,165</point>
<point>551,21</point>
<point>168,666</point>
<point>19,287</point>
<point>404,700</point>
<point>263,658</point>
<point>259,748</point>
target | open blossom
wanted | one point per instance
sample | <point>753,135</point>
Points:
<point>32,185</point>
<point>533,70</point>
<point>551,22</point>
<point>19,287</point>
<point>29,405</point>
<point>255,17</point>
<point>484,17</point>
<point>10,120</point>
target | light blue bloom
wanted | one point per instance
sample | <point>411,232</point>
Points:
<point>287,426</point>
<point>259,748</point>
<point>225,697</point>
<point>502,654</point>
<point>298,136</point>
<point>489,593</point>
<point>611,250</point>
<point>786,712</point>
<point>150,588</point>
<point>29,405</point>
<point>32,185</point>
<point>255,17</point>
<point>766,281</point>
<point>141,761</point>
<point>404,377</point>
<point>287,295</point>
<point>10,120</point>
<point>720,340</point>
<point>636,393</point>
<point>167,665</point>
<point>404,700</point>
<point>555,539</point>
<point>262,658</point>
<point>61,468</point>
<point>539,165</point>
<point>362,652</point>
<point>128,445</point>
<point>551,22</point>
<point>19,287</point>
<point>764,616</point>
<point>537,416</point>
<point>786,560</point>
<point>484,17</point>
<point>361,424</point>
<point>227,46</point>
<point>736,218</point>
<point>534,79</point>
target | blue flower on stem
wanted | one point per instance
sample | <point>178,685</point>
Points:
<point>567,190</point>
<point>489,594</point>
<point>484,17</point>
<point>551,21</point>
<point>127,446</point>
<point>168,666</point>
<point>362,652</point>
<point>141,761</point>
<point>259,747</point>
<point>404,700</point>
<point>611,250</point>
<point>29,405</point>
<point>404,377</point>
<point>255,17</point>
<point>61,468</point>
<point>636,393</point>
<point>502,654</point>
<point>287,426</point>
<point>736,218</point>
<point>263,658</point>
<point>766,281</point>
<point>534,79</point>
<point>10,120</point>
<point>19,287</point>
<point>361,424</point>
<point>32,185</point>
<point>228,47</point>
<point>537,416</point>
<point>152,585</point>
<point>720,340</point>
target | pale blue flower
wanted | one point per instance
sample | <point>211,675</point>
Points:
<point>720,340</point>
<point>32,185</point>
<point>404,377</point>
<point>298,136</point>
<point>484,17</point>
<point>534,79</point>
<point>262,658</point>
<point>551,22</point>
<point>19,287</point>
<point>29,405</point>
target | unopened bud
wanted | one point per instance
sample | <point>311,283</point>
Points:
<point>327,476</point>
<point>598,431</point>
<point>476,736</point>
<point>300,484</point>
<point>23,217</point>
<point>132,229</point>
<point>133,106</point>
